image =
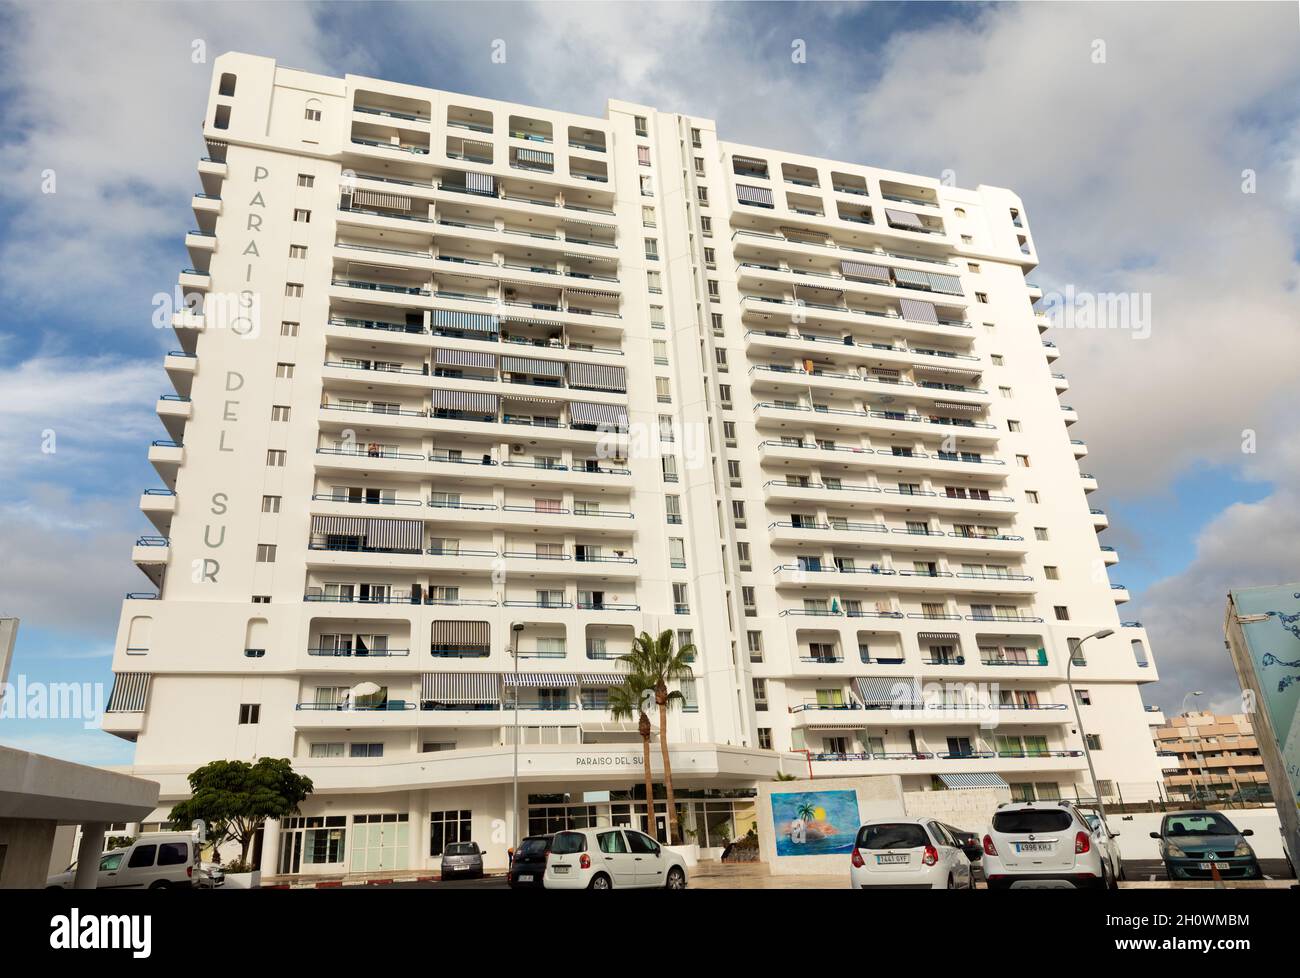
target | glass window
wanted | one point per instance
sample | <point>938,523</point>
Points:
<point>142,856</point>
<point>611,842</point>
<point>173,854</point>
<point>642,843</point>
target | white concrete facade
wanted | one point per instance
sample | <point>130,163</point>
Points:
<point>764,425</point>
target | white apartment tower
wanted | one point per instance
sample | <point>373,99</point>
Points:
<point>458,377</point>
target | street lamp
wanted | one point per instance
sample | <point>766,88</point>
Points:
<point>515,629</point>
<point>1196,751</point>
<point>1092,773</point>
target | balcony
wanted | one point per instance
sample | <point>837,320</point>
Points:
<point>1119,593</point>
<point>1079,447</point>
<point>207,207</point>
<point>880,577</point>
<point>174,411</point>
<point>150,554</point>
<point>192,280</point>
<point>166,458</point>
<point>767,308</point>
<point>1099,519</point>
<point>1109,556</point>
<point>160,506</point>
<point>181,368</point>
<point>970,466</point>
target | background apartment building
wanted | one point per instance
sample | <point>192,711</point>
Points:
<point>459,377</point>
<point>1212,756</point>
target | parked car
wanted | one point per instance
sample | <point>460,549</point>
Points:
<point>209,876</point>
<point>462,859</point>
<point>1037,842</point>
<point>528,865</point>
<point>1194,845</point>
<point>154,861</point>
<point>600,859</point>
<point>1106,839</point>
<point>909,853</point>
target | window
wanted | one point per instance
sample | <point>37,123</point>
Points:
<point>662,391</point>
<point>724,395</point>
<point>270,504</point>
<point>673,509</point>
<point>981,297</point>
<point>1013,426</point>
<point>760,693</point>
<point>227,88</point>
<point>710,258</point>
<point>652,249</point>
<point>642,129</point>
<point>681,606</point>
<point>755,642</point>
<point>668,463</point>
<point>1022,461</point>
<point>647,186</point>
<point>733,472</point>
<point>284,371</point>
<point>738,513</point>
<point>261,599</point>
<point>142,856</point>
<point>1031,495</point>
<point>297,251</point>
<point>676,552</point>
<point>275,457</point>
<point>729,433</point>
<point>306,180</point>
<point>448,827</point>
<point>249,713</point>
<point>1083,697</point>
<point>706,226</point>
<point>695,138</point>
<point>301,215</point>
<point>655,285</point>
<point>293,290</point>
<point>288,329</point>
<point>714,294</point>
<point>326,750</point>
<point>279,412</point>
<point>312,114</point>
<point>365,750</point>
<point>1040,533</point>
<point>715,320</point>
<point>266,553</point>
<point>1076,651</point>
<point>720,357</point>
<point>1062,612</point>
<point>1094,741</point>
<point>1005,392</point>
<point>1051,573</point>
<point>972,267</point>
<point>747,599</point>
<point>996,359</point>
<point>648,216</point>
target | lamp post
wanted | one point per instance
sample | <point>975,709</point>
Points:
<point>1196,752</point>
<point>1078,717</point>
<point>515,629</point>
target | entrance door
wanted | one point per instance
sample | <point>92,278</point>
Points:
<point>379,842</point>
<point>291,853</point>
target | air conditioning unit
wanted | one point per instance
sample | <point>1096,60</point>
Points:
<point>516,449</point>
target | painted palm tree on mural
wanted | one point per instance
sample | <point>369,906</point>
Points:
<point>659,662</point>
<point>628,701</point>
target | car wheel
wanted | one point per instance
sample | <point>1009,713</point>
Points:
<point>676,879</point>
<point>599,882</point>
<point>159,885</point>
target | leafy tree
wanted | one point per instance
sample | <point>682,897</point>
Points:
<point>234,798</point>
<point>628,701</point>
<point>657,661</point>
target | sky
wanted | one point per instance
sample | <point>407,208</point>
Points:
<point>1156,148</point>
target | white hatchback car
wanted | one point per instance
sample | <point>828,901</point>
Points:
<point>909,853</point>
<point>154,861</point>
<point>1048,841</point>
<point>611,858</point>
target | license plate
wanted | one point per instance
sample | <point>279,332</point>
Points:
<point>893,858</point>
<point>1033,847</point>
<point>561,869</point>
<point>1207,866</point>
<point>526,878</point>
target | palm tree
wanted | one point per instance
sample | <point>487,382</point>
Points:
<point>657,661</point>
<point>627,701</point>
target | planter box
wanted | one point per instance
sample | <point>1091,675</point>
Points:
<point>243,881</point>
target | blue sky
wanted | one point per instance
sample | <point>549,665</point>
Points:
<point>1131,170</point>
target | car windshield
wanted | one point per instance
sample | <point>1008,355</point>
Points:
<point>892,835</point>
<point>567,842</point>
<point>534,846</point>
<point>1025,820</point>
<point>462,849</point>
<point>1200,823</point>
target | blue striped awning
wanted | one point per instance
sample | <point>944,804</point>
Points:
<point>465,320</point>
<point>973,781</point>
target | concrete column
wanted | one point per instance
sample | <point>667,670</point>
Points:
<point>89,850</point>
<point>417,839</point>
<point>270,847</point>
<point>132,830</point>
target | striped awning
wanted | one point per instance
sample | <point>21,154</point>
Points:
<point>341,526</point>
<point>392,534</point>
<point>513,399</point>
<point>598,375</point>
<point>130,692</point>
<point>464,358</point>
<point>484,322</point>
<point>754,195</point>
<point>873,273</point>
<point>540,679</point>
<point>460,634</point>
<point>793,232</point>
<point>903,219</point>
<point>909,276</point>
<point>884,691</point>
<point>368,198</point>
<point>535,156</point>
<point>600,293</point>
<point>474,401</point>
<point>461,687</point>
<point>610,415</point>
<point>581,222</point>
<point>989,780</point>
<point>954,406</point>
<point>477,144</point>
<point>939,636</point>
<point>531,365</point>
<point>748,161</point>
<point>482,183</point>
<point>593,258</point>
<point>601,678</point>
<point>940,282</point>
<point>918,310</point>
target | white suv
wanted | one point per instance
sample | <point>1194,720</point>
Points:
<point>611,858</point>
<point>154,861</point>
<point>909,853</point>
<point>1029,842</point>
